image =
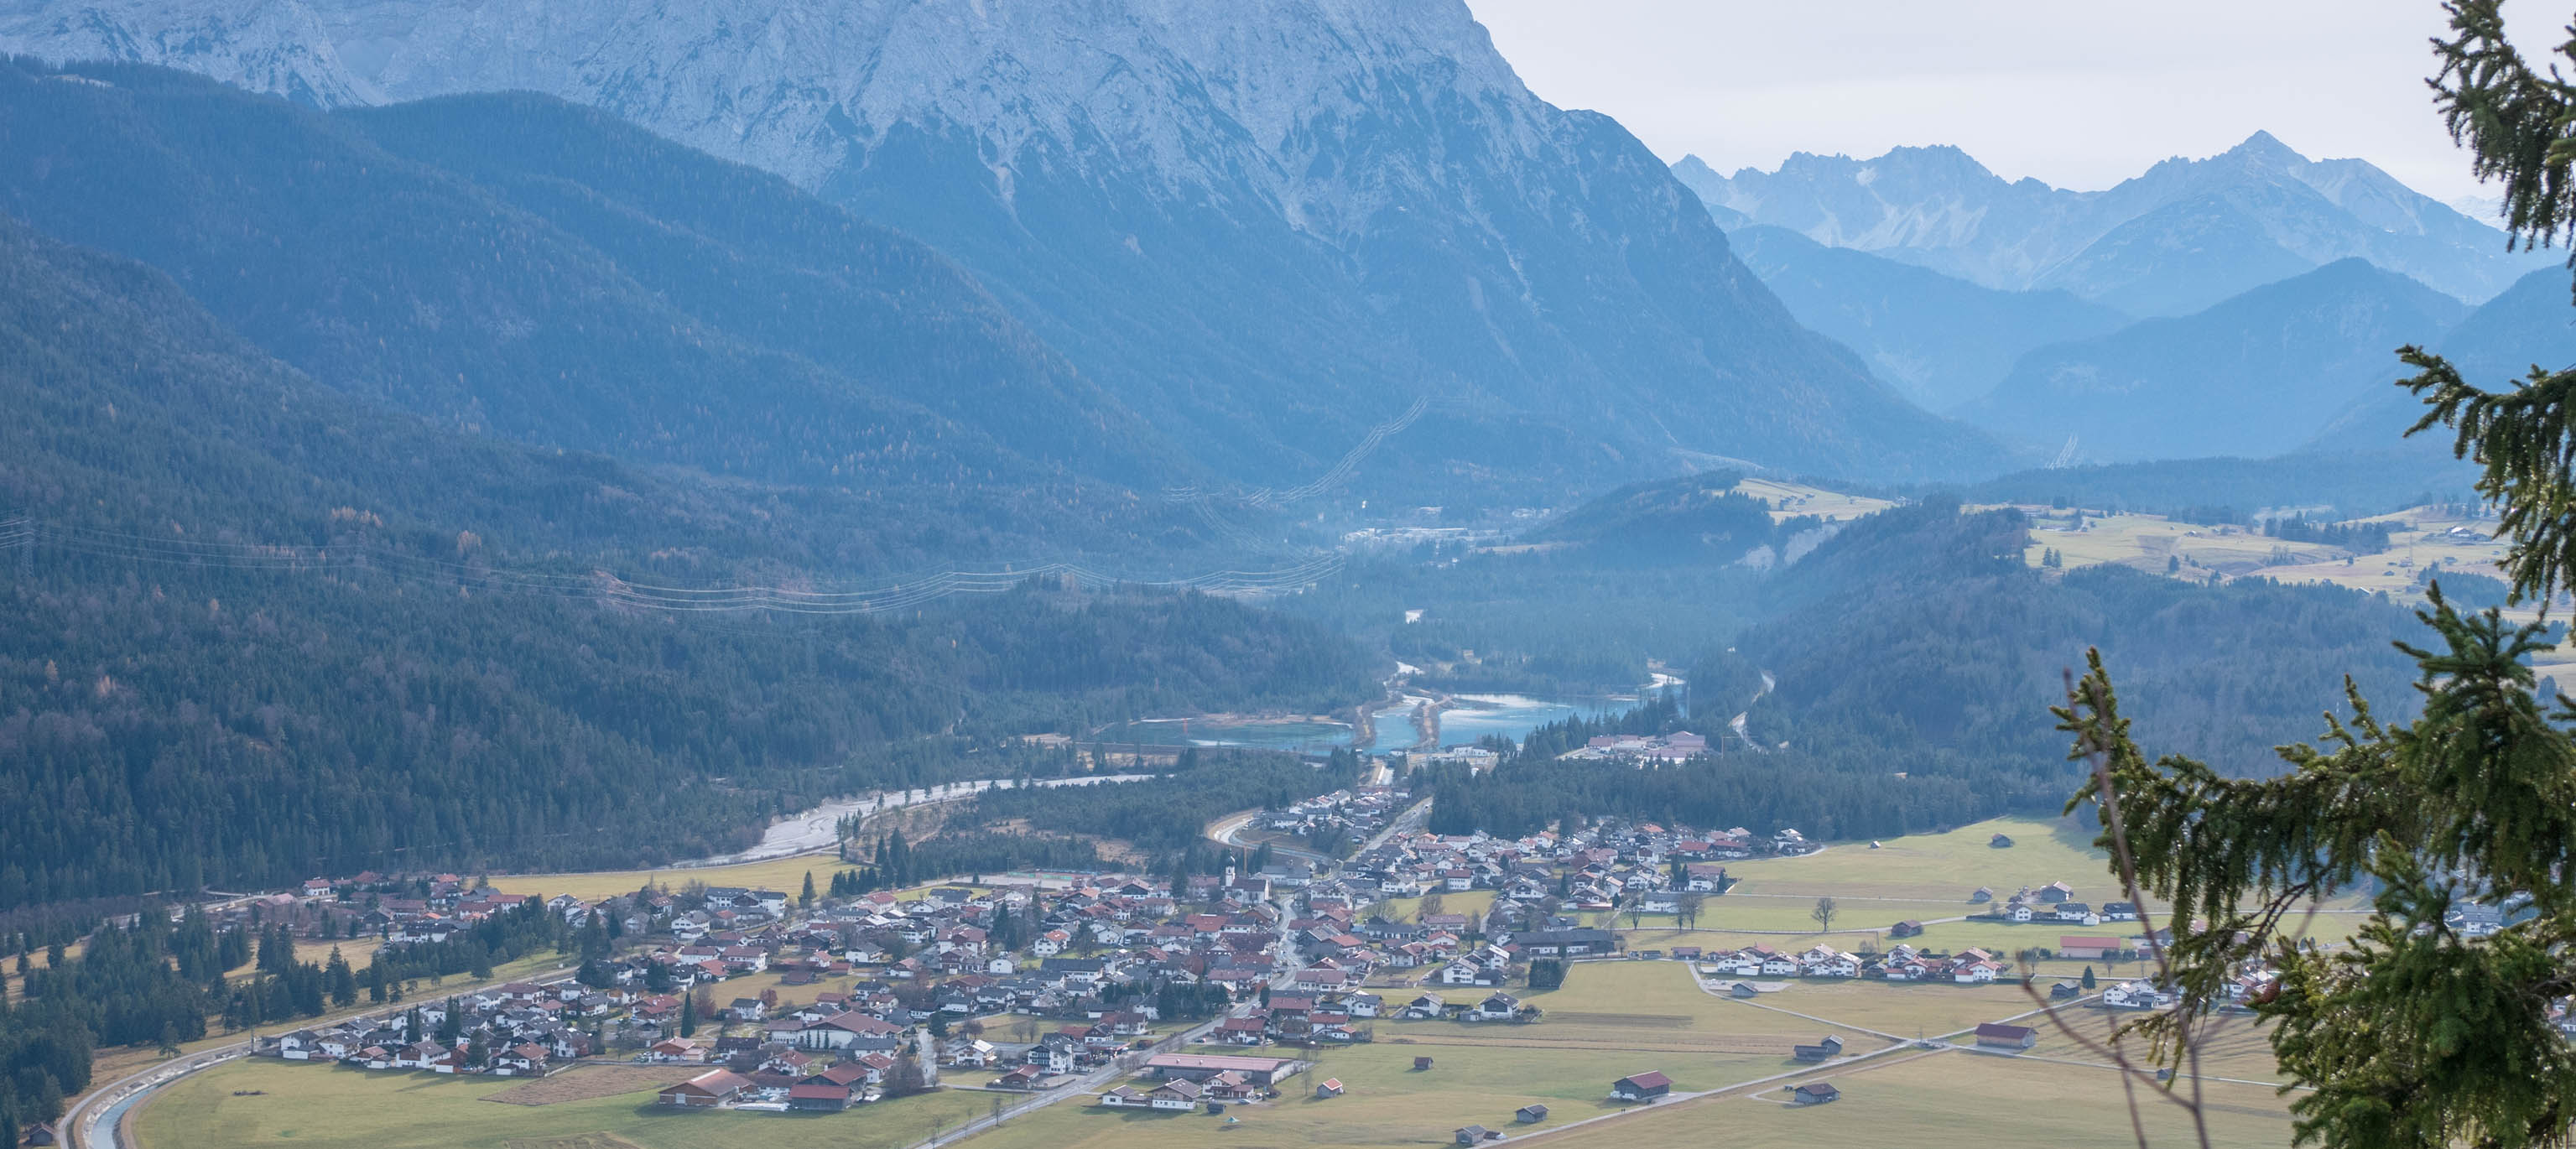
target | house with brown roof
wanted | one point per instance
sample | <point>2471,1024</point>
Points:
<point>2087,948</point>
<point>818,1096</point>
<point>1645,1086</point>
<point>705,1091</point>
<point>1997,1035</point>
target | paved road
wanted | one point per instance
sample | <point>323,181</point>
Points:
<point>1228,831</point>
<point>1406,822</point>
<point>1092,1083</point>
<point>1284,960</point>
<point>94,1121</point>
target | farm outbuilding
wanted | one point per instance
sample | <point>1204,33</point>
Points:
<point>1645,1086</point>
<point>1997,1035</point>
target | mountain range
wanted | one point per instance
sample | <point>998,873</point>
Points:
<point>2255,375</point>
<point>2177,238</point>
<point>1263,228</point>
<point>2530,325</point>
<point>1939,339</point>
<point>271,626</point>
<point>517,269</point>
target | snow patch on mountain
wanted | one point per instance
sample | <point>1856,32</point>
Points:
<point>1247,94</point>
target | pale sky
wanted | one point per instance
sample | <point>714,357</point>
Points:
<point>2079,93</point>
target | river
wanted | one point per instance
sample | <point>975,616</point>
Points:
<point>815,829</point>
<point>1467,718</point>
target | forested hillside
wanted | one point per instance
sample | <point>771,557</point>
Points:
<point>2357,483</point>
<point>1695,519</point>
<point>167,727</point>
<point>676,310</point>
<point>2256,375</point>
<point>1267,251</point>
<point>1942,341</point>
<point>1915,657</point>
<point>262,629</point>
<point>1920,637</point>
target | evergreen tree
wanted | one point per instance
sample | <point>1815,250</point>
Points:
<point>340,980</point>
<point>2418,1036</point>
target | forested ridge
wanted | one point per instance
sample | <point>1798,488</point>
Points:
<point>545,309</point>
<point>259,628</point>
<point>168,728</point>
<point>1916,655</point>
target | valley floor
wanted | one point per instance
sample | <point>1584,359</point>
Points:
<point>1730,1063</point>
<point>1911,1071</point>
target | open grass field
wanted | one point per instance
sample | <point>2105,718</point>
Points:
<point>1907,1011</point>
<point>1793,500</point>
<point>583,1082</point>
<point>268,1103</point>
<point>1388,1103</point>
<point>2149,542</point>
<point>1928,870</point>
<point>1946,1101</point>
<point>775,873</point>
<point>1643,1007</point>
<point>114,1062</point>
<point>577,1141</point>
<point>2423,539</point>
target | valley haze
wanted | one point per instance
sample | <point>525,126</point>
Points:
<point>897,572</point>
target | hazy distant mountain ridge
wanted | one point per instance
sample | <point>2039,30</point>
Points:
<point>2254,376</point>
<point>1277,222</point>
<point>593,300</point>
<point>2495,347</point>
<point>2176,238</point>
<point>1939,339</point>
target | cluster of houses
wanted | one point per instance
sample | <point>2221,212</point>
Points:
<point>1078,954</point>
<point>1610,865</point>
<point>1900,962</point>
<point>522,1029</point>
<point>1640,749</point>
<point>1184,1081</point>
<point>1906,963</point>
<point>2054,902</point>
<point>1352,815</point>
<point>1097,956</point>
